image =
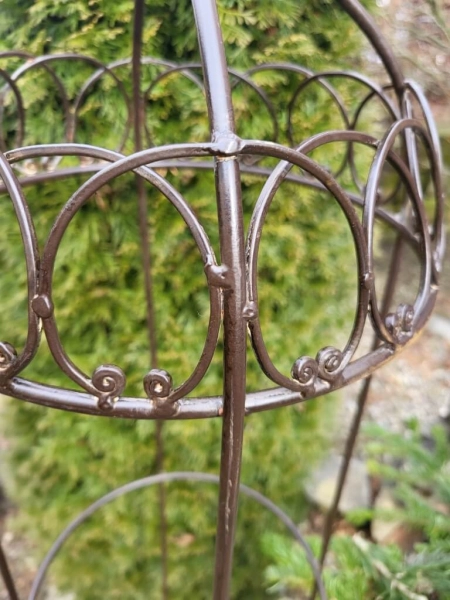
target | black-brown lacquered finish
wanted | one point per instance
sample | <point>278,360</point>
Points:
<point>232,277</point>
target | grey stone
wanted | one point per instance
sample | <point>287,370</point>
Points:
<point>322,484</point>
<point>439,326</point>
<point>382,529</point>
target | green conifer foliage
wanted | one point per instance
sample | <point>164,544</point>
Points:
<point>357,568</point>
<point>64,461</point>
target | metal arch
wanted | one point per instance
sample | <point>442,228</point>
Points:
<point>167,478</point>
<point>20,109</point>
<point>232,281</point>
<point>11,362</point>
<point>365,21</point>
<point>42,62</point>
<point>43,302</point>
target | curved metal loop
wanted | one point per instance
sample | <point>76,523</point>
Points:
<point>365,21</point>
<point>330,361</point>
<point>11,85</point>
<point>244,78</point>
<point>394,114</point>
<point>108,382</point>
<point>400,326</point>
<point>383,199</point>
<point>168,478</point>
<point>309,76</point>
<point>71,115</point>
<point>433,150</point>
<point>12,362</point>
<point>95,77</point>
<point>375,91</point>
<point>42,62</point>
<point>322,79</point>
<point>155,62</point>
<point>186,68</point>
<point>418,229</point>
<point>102,70</point>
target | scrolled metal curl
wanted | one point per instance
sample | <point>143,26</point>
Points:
<point>109,381</point>
<point>158,384</point>
<point>400,323</point>
<point>305,371</point>
<point>329,361</point>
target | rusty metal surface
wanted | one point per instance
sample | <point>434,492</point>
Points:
<point>232,278</point>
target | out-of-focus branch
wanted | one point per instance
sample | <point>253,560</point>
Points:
<point>395,584</point>
<point>420,34</point>
<point>436,11</point>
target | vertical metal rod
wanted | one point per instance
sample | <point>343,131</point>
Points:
<point>138,106</point>
<point>231,232</point>
<point>7,577</point>
<point>357,418</point>
<point>234,382</point>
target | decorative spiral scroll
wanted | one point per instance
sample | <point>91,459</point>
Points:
<point>330,360</point>
<point>305,371</point>
<point>158,384</point>
<point>400,323</point>
<point>109,381</point>
<point>327,365</point>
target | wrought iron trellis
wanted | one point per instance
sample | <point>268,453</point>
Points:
<point>232,279</point>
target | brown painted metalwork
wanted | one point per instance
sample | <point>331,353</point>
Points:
<point>232,278</point>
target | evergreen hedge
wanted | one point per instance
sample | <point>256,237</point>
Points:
<point>64,461</point>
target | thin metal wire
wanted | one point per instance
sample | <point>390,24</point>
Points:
<point>166,478</point>
<point>146,253</point>
<point>7,577</point>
